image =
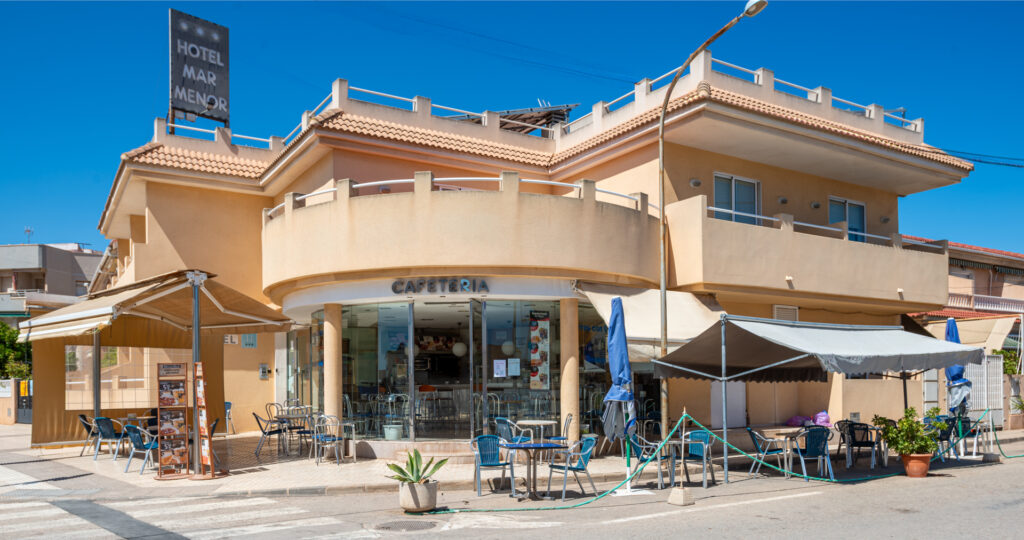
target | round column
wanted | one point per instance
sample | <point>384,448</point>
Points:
<point>332,360</point>
<point>569,328</point>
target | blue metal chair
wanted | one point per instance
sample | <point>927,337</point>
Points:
<point>327,434</point>
<point>697,447</point>
<point>108,433</point>
<point>90,430</point>
<point>815,447</point>
<point>229,423</point>
<point>576,460</point>
<point>943,437</point>
<point>510,432</point>
<point>141,443</point>
<point>487,455</point>
<point>643,449</point>
<point>763,447</point>
<point>268,428</point>
<point>565,430</point>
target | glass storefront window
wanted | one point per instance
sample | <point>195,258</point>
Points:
<point>375,365</point>
<point>523,360</point>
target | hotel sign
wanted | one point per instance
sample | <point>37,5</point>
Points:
<point>440,285</point>
<point>199,67</point>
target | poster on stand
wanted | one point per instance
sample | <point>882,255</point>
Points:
<point>540,345</point>
<point>172,393</point>
<point>172,423</point>
<point>174,453</point>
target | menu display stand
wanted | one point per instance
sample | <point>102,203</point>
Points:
<point>207,468</point>
<point>172,421</point>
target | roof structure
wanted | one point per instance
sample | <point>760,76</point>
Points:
<point>341,121</point>
<point>958,245</point>
<point>546,116</point>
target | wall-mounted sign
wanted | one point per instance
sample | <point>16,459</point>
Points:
<point>199,67</point>
<point>540,340</point>
<point>440,285</point>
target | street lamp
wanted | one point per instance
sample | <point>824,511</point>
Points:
<point>752,8</point>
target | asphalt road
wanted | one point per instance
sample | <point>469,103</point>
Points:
<point>957,500</point>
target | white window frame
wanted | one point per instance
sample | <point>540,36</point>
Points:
<point>732,193</point>
<point>846,214</point>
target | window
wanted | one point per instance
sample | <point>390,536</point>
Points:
<point>738,195</point>
<point>786,313</point>
<point>249,341</point>
<point>852,213</point>
<point>6,283</point>
<point>127,375</point>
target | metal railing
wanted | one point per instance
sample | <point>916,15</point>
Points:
<point>809,91</point>
<point>752,72</point>
<point>446,185</point>
<point>864,108</point>
<point>981,302</point>
<point>836,230</point>
<point>214,132</point>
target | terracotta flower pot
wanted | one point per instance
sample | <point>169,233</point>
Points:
<point>916,465</point>
<point>418,497</point>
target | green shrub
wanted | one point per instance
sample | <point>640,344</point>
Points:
<point>909,435</point>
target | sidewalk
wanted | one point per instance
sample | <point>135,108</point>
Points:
<point>276,474</point>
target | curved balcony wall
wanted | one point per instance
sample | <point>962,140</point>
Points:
<point>343,237</point>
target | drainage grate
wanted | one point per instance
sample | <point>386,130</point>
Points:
<point>406,526</point>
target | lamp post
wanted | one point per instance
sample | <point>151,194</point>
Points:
<point>752,8</point>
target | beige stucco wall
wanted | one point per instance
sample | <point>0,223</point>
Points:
<point>212,230</point>
<point>484,232</point>
<point>242,384</point>
<point>742,256</point>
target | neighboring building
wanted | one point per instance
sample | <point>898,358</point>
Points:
<point>35,278</point>
<point>781,202</point>
<point>986,296</point>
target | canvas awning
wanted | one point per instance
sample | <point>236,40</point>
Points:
<point>773,350</point>
<point>987,332</point>
<point>164,301</point>
<point>688,316</point>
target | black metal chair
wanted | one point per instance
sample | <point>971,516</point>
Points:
<point>268,428</point>
<point>91,432</point>
<point>857,436</point>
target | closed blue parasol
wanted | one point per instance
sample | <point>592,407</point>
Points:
<point>619,408</point>
<point>959,387</point>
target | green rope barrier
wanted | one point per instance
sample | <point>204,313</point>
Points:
<point>1000,446</point>
<point>629,478</point>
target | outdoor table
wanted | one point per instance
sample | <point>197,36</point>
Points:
<point>531,465</point>
<point>137,419</point>
<point>287,419</point>
<point>538,424</point>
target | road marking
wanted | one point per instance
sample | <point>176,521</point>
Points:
<point>134,503</point>
<point>49,525</point>
<point>11,480</point>
<point>203,506</point>
<point>712,507</point>
<point>494,521</point>
<point>13,506</point>
<point>265,528</point>
<point>51,511</point>
<point>206,521</point>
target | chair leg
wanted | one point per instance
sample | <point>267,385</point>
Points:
<point>551,473</point>
<point>476,478</point>
<point>129,464</point>
<point>565,480</point>
<point>259,445</point>
<point>96,454</point>
<point>512,475</point>
<point>591,480</point>
<point>803,468</point>
<point>580,484</point>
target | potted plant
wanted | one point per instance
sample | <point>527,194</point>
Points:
<point>912,439</point>
<point>416,491</point>
<point>1016,420</point>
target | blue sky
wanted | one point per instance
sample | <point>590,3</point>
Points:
<point>84,81</point>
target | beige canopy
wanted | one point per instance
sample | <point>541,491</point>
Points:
<point>166,302</point>
<point>987,332</point>
<point>688,315</point>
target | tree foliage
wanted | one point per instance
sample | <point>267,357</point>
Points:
<point>1010,360</point>
<point>15,358</point>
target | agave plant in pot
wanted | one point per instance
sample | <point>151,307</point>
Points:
<point>416,491</point>
<point>913,440</point>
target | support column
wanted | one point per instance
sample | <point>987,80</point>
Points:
<point>333,402</point>
<point>569,329</point>
<point>97,405</point>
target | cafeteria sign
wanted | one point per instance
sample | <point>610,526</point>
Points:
<point>440,285</point>
<point>199,67</point>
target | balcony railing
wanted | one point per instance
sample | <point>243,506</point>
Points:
<point>980,302</point>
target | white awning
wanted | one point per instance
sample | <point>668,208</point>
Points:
<point>688,315</point>
<point>987,332</point>
<point>773,350</point>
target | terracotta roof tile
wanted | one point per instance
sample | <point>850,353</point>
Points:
<point>192,160</point>
<point>363,125</point>
<point>961,314</point>
<point>955,245</point>
<point>705,91</point>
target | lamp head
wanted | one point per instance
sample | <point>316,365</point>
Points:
<point>754,7</point>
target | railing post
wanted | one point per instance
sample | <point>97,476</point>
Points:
<point>339,93</point>
<point>509,184</point>
<point>877,115</point>
<point>423,183</point>
<point>588,191</point>
<point>597,116</point>
<point>785,222</point>
<point>701,66</point>
<point>159,130</point>
<point>343,191</point>
<point>276,143</point>
<point>641,90</point>
<point>642,205</point>
<point>766,79</point>
<point>492,121</point>
<point>421,105</point>
<point>307,119</point>
<point>896,240</point>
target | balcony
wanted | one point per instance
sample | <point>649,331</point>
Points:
<point>980,302</point>
<point>494,229</point>
<point>775,259</point>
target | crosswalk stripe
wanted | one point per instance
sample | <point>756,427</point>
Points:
<point>261,529</point>
<point>134,503</point>
<point>14,506</point>
<point>52,511</point>
<point>88,533</point>
<point>11,480</point>
<point>185,509</point>
<point>206,521</point>
<point>50,524</point>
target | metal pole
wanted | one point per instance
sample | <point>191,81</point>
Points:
<point>725,410</point>
<point>197,281</point>
<point>96,394</point>
<point>411,367</point>
<point>906,404</point>
<point>662,223</point>
<point>472,358</point>
<point>484,359</point>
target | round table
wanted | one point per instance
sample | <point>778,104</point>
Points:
<point>538,424</point>
<point>531,464</point>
